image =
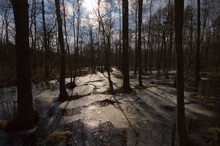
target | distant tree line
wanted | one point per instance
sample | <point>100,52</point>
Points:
<point>97,42</point>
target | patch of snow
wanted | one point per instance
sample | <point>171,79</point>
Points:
<point>82,90</point>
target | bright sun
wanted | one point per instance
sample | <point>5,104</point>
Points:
<point>89,5</point>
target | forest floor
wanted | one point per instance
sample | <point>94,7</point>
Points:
<point>93,117</point>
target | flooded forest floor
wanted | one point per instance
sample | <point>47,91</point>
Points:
<point>93,117</point>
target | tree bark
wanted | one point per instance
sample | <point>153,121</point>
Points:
<point>76,56</point>
<point>136,61</point>
<point>125,58</point>
<point>72,84</point>
<point>191,39</point>
<point>63,94</point>
<point>149,43</point>
<point>139,43</point>
<point>181,129</point>
<point>33,36</point>
<point>92,51</point>
<point>24,118</point>
<point>46,48</point>
<point>107,46</point>
<point>197,69</point>
<point>120,44</point>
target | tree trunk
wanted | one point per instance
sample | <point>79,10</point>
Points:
<point>46,48</point>
<point>63,94</point>
<point>165,55</point>
<point>120,44</point>
<point>139,43</point>
<point>24,119</point>
<point>76,57</point>
<point>197,68</point>
<point>125,58</point>
<point>72,84</point>
<point>149,44</point>
<point>170,49</point>
<point>107,47</point>
<point>191,40</point>
<point>160,53</point>
<point>108,54</point>
<point>92,51</point>
<point>146,53</point>
<point>33,36</point>
<point>136,61</point>
<point>181,129</point>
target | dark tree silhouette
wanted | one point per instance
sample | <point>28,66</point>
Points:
<point>92,64</point>
<point>140,2</point>
<point>107,45</point>
<point>125,58</point>
<point>24,117</point>
<point>33,34</point>
<point>46,47</point>
<point>181,129</point>
<point>63,94</point>
<point>136,39</point>
<point>149,43</point>
<point>72,84</point>
<point>197,68</point>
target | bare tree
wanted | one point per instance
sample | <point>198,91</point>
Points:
<point>76,40</point>
<point>136,61</point>
<point>92,50</point>
<point>63,94</point>
<point>149,43</point>
<point>125,58</point>
<point>140,4</point>
<point>181,129</point>
<point>33,34</point>
<point>72,83</point>
<point>46,47</point>
<point>24,118</point>
<point>106,34</point>
<point>197,66</point>
<point>120,44</point>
